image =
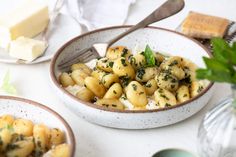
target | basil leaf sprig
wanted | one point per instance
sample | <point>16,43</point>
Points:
<point>221,67</point>
<point>7,86</point>
<point>149,57</point>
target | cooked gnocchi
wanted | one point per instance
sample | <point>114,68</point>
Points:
<point>22,138</point>
<point>124,80</point>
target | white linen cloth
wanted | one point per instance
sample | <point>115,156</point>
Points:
<point>95,14</point>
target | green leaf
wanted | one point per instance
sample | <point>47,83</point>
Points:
<point>233,53</point>
<point>149,56</point>
<point>234,46</point>
<point>234,104</point>
<point>217,76</point>
<point>221,67</point>
<point>223,52</point>
<point>219,49</point>
<point>203,73</point>
<point>7,86</point>
<point>214,64</point>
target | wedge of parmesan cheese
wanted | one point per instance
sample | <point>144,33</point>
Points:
<point>204,26</point>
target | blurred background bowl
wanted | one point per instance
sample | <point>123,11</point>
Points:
<point>39,114</point>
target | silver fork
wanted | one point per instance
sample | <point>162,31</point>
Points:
<point>167,9</point>
<point>55,12</point>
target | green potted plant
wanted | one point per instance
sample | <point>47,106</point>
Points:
<point>217,132</point>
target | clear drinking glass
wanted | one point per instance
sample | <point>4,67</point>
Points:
<point>217,132</point>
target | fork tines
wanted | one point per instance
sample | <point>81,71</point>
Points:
<point>78,56</point>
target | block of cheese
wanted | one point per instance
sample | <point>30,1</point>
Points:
<point>204,26</point>
<point>26,48</point>
<point>28,19</point>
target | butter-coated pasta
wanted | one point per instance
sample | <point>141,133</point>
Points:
<point>114,92</point>
<point>135,80</point>
<point>95,86</point>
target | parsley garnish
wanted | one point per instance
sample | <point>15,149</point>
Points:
<point>140,73</point>
<point>134,86</point>
<point>123,62</point>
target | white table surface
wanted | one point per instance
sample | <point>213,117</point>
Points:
<point>95,141</point>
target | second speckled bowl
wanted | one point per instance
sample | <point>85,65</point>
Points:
<point>159,39</point>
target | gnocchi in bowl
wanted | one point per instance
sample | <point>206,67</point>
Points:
<point>134,86</point>
<point>29,129</point>
<point>134,81</point>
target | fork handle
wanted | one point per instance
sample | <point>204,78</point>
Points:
<point>167,9</point>
<point>55,12</point>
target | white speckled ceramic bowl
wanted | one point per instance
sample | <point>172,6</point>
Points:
<point>38,113</point>
<point>159,39</point>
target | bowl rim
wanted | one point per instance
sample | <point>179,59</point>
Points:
<point>81,102</point>
<point>34,103</point>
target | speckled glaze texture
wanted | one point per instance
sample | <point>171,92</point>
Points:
<point>158,39</point>
<point>39,114</point>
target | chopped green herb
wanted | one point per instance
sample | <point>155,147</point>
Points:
<point>124,80</point>
<point>200,88</point>
<point>149,85</point>
<point>104,60</point>
<point>185,95</point>
<point>160,90</point>
<point>124,52</point>
<point>187,80</point>
<point>175,62</point>
<point>168,105</point>
<point>164,96</point>
<point>134,86</point>
<point>114,92</point>
<point>111,64</point>
<point>132,60</point>
<point>113,105</point>
<point>1,142</point>
<point>106,105</point>
<point>123,97</point>
<point>140,73</point>
<point>140,93</point>
<point>12,146</point>
<point>98,58</point>
<point>172,86</point>
<point>123,62</point>
<point>142,53</point>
